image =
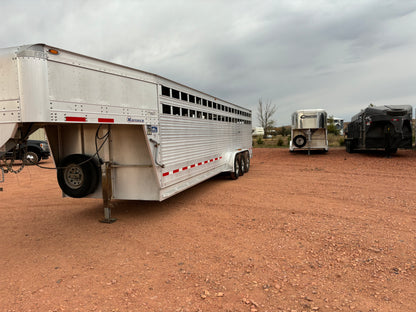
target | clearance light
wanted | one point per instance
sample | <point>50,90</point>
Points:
<point>53,51</point>
<point>395,119</point>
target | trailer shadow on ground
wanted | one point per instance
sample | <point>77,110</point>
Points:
<point>136,209</point>
<point>380,154</point>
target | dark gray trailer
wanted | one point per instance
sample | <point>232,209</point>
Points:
<point>386,128</point>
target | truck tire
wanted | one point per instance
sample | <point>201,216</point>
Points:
<point>78,175</point>
<point>299,141</point>
<point>236,173</point>
<point>31,158</point>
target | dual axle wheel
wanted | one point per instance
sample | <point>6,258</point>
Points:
<point>241,165</point>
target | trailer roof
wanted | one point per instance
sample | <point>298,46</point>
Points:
<point>309,111</point>
<point>383,110</point>
<point>41,49</point>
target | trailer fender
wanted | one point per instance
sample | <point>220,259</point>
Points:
<point>78,175</point>
<point>233,161</point>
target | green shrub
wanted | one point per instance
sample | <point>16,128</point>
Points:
<point>260,141</point>
<point>280,142</point>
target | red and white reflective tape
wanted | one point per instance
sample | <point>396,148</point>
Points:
<point>191,166</point>
<point>84,119</point>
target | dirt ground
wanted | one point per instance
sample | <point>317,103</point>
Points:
<point>325,232</point>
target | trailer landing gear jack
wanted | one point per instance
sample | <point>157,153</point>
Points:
<point>107,192</point>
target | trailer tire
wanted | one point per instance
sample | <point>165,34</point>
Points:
<point>349,147</point>
<point>299,141</point>
<point>247,161</point>
<point>78,175</point>
<point>236,173</point>
<point>242,164</point>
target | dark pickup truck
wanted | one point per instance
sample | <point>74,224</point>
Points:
<point>31,152</point>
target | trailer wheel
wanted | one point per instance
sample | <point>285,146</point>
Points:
<point>242,165</point>
<point>299,141</point>
<point>236,173</point>
<point>247,161</point>
<point>78,175</point>
<point>349,146</point>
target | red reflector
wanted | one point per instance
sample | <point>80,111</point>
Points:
<point>216,158</point>
<point>184,168</point>
<point>165,174</point>
<point>111,120</point>
<point>206,161</point>
<point>193,166</point>
<point>199,164</point>
<point>176,171</point>
<point>75,118</point>
<point>395,119</point>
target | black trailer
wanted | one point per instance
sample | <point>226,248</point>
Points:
<point>386,128</point>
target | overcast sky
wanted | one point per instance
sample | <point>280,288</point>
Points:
<point>338,55</point>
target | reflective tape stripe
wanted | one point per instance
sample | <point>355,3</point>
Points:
<point>108,120</point>
<point>78,119</point>
<point>191,166</point>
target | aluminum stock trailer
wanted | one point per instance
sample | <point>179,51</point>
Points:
<point>116,132</point>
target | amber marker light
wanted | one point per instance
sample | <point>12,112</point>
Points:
<point>53,51</point>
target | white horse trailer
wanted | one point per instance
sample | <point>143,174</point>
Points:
<point>257,131</point>
<point>309,130</point>
<point>116,132</point>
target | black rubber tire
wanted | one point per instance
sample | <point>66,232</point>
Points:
<point>78,175</point>
<point>236,173</point>
<point>35,158</point>
<point>247,161</point>
<point>299,141</point>
<point>242,164</point>
<point>348,146</point>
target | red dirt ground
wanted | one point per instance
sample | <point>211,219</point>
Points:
<point>326,232</point>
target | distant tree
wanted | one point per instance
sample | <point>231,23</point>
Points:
<point>265,112</point>
<point>283,131</point>
<point>331,126</point>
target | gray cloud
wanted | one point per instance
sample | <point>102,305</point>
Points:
<point>336,55</point>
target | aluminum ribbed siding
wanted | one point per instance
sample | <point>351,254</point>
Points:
<point>188,141</point>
